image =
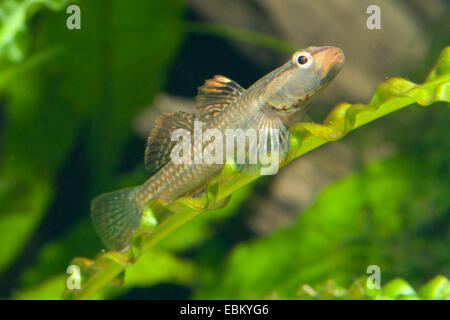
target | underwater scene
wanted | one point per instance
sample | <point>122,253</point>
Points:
<point>224,150</point>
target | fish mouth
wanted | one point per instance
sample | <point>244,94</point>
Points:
<point>335,65</point>
<point>330,59</point>
<point>338,55</point>
<point>337,58</point>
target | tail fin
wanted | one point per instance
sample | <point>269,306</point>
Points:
<point>116,216</point>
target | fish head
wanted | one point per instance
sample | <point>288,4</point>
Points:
<point>292,86</point>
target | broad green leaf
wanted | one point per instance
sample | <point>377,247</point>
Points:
<point>371,218</point>
<point>13,24</point>
<point>131,78</point>
<point>23,200</point>
<point>88,91</point>
<point>25,191</point>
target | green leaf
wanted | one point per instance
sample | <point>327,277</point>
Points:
<point>25,188</point>
<point>130,78</point>
<point>436,288</point>
<point>87,92</point>
<point>398,289</point>
<point>23,200</point>
<point>13,24</point>
<point>366,219</point>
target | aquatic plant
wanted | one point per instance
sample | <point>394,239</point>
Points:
<point>388,97</point>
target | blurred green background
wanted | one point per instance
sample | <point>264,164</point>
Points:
<point>76,106</point>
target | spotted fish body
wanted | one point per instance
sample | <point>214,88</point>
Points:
<point>268,104</point>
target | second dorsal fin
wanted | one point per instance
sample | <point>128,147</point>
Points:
<point>215,94</point>
<point>159,144</point>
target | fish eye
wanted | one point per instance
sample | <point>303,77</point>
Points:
<point>302,59</point>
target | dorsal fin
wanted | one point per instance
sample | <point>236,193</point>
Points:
<point>215,94</point>
<point>159,144</point>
